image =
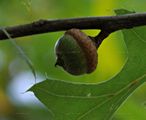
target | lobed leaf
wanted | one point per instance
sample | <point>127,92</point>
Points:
<point>74,101</point>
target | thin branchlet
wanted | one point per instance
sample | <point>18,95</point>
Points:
<point>111,23</point>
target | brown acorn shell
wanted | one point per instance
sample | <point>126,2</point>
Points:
<point>88,46</point>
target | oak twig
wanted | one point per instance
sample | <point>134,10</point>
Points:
<point>106,23</point>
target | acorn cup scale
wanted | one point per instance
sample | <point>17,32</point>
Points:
<point>76,52</point>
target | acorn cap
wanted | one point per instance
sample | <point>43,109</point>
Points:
<point>88,46</point>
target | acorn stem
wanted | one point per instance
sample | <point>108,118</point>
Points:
<point>100,37</point>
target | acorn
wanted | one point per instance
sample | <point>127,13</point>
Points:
<point>76,52</point>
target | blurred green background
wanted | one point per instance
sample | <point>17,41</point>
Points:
<point>16,77</point>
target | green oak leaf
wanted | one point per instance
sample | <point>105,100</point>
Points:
<point>74,101</point>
